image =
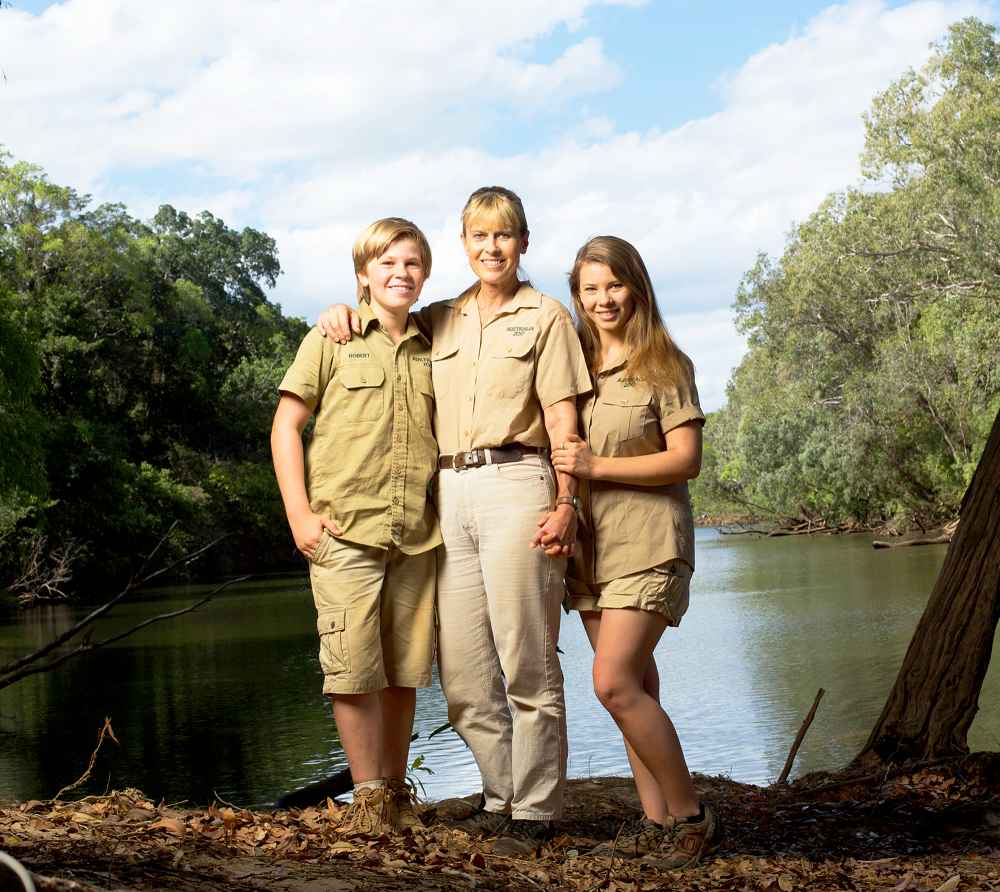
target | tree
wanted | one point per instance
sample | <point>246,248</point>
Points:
<point>936,694</point>
<point>870,383</point>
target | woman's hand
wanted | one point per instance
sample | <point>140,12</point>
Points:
<point>307,531</point>
<point>574,457</point>
<point>556,534</point>
<point>337,322</point>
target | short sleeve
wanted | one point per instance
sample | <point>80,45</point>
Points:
<point>312,369</point>
<point>678,404</point>
<point>560,367</point>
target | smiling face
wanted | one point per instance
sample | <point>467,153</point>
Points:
<point>494,248</point>
<point>395,277</point>
<point>605,298</point>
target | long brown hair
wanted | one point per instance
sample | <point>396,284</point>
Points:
<point>651,353</point>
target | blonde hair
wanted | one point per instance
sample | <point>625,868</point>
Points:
<point>375,241</point>
<point>495,203</point>
<point>652,353</point>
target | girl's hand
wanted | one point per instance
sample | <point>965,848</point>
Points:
<point>337,322</point>
<point>574,457</point>
<point>307,531</point>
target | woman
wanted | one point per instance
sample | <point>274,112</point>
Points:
<point>630,574</point>
<point>507,368</point>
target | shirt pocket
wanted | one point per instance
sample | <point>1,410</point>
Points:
<point>628,415</point>
<point>511,367</point>
<point>365,387</point>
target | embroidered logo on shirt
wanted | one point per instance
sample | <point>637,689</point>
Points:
<point>630,381</point>
<point>423,360</point>
<point>359,356</point>
<point>518,331</point>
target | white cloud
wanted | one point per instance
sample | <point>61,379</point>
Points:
<point>311,119</point>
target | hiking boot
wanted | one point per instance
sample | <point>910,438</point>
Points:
<point>636,838</point>
<point>483,823</point>
<point>368,815</point>
<point>402,806</point>
<point>532,831</point>
<point>686,840</point>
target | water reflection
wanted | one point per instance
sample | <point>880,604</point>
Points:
<point>227,700</point>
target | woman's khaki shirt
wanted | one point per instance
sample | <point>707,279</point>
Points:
<point>631,528</point>
<point>372,454</point>
<point>492,382</point>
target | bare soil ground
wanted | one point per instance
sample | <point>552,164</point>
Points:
<point>936,827</point>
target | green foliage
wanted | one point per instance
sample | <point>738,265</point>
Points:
<point>138,371</point>
<point>872,379</point>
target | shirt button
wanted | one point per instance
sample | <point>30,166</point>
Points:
<point>395,500</point>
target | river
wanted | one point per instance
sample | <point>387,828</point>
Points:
<point>226,701</point>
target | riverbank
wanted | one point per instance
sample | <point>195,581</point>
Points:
<point>933,829</point>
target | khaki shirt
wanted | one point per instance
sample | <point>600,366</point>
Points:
<point>492,383</point>
<point>631,528</point>
<point>372,454</point>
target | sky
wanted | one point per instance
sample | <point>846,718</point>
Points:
<point>699,131</point>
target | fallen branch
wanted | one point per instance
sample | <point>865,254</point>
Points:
<point>107,729</point>
<point>943,538</point>
<point>793,752</point>
<point>30,665</point>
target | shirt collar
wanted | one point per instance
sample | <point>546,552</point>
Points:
<point>611,369</point>
<point>525,296</point>
<point>369,321</point>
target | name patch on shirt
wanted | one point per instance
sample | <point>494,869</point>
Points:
<point>423,360</point>
<point>629,381</point>
<point>359,356</point>
<point>517,331</point>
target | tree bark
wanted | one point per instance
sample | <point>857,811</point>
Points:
<point>936,694</point>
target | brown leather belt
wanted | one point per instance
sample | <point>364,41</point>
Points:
<point>475,458</point>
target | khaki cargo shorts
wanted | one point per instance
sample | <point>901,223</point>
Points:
<point>663,589</point>
<point>375,616</point>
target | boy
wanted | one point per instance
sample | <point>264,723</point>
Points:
<point>357,504</point>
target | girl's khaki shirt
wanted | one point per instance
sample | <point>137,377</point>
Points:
<point>492,382</point>
<point>372,454</point>
<point>631,528</point>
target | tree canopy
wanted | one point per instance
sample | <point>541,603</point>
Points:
<point>871,379</point>
<point>139,369</point>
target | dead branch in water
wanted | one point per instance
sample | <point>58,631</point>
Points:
<point>35,662</point>
<point>45,573</point>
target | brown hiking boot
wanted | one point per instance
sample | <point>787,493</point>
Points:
<point>368,815</point>
<point>402,805</point>
<point>636,838</point>
<point>686,841</point>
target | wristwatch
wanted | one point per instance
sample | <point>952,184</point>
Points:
<point>570,500</point>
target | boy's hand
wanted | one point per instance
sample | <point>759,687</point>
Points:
<point>556,534</point>
<point>337,322</point>
<point>307,531</point>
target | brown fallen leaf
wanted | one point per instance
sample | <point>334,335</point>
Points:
<point>786,882</point>
<point>950,884</point>
<point>81,817</point>
<point>171,825</point>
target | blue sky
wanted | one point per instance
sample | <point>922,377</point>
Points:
<point>699,131</point>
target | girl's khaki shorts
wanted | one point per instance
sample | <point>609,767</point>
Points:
<point>661,589</point>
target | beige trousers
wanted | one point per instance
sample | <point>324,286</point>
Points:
<point>498,609</point>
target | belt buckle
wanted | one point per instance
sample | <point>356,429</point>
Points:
<point>471,459</point>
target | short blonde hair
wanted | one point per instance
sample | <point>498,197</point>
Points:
<point>495,203</point>
<point>375,241</point>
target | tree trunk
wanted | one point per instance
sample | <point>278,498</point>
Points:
<point>936,694</point>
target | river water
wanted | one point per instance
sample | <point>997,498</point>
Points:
<point>226,700</point>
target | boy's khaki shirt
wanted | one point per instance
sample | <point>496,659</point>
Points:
<point>372,454</point>
<point>492,383</point>
<point>631,528</point>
